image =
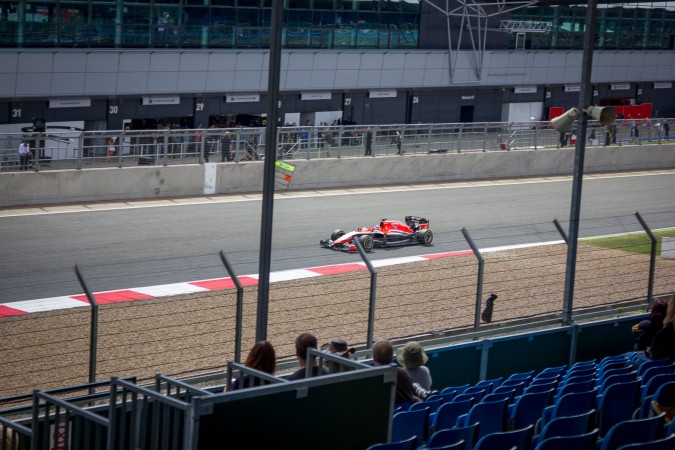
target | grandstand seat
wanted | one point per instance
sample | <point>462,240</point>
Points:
<point>467,434</point>
<point>490,415</point>
<point>506,440</point>
<point>576,442</point>
<point>555,370</point>
<point>489,385</point>
<point>618,378</point>
<point>405,444</point>
<point>541,387</point>
<point>611,365</point>
<point>578,379</point>
<point>666,443</point>
<point>508,395</point>
<point>521,376</point>
<point>458,389</point>
<point>580,372</point>
<point>517,385</point>
<point>447,414</point>
<point>431,404</point>
<point>568,405</point>
<point>448,396</point>
<point>651,372</point>
<point>546,378</point>
<point>649,387</point>
<point>586,363</point>
<point>408,423</point>
<point>476,393</point>
<point>459,445</point>
<point>581,386</point>
<point>566,426</point>
<point>632,432</point>
<point>652,363</point>
<point>528,408</point>
<point>616,404</point>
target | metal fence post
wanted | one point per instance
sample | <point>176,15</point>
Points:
<point>93,335</point>
<point>373,291</point>
<point>240,307</point>
<point>479,282</point>
<point>560,230</point>
<point>652,257</point>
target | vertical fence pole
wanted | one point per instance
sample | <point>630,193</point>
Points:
<point>373,291</point>
<point>93,335</point>
<point>240,307</point>
<point>479,281</point>
<point>652,257</point>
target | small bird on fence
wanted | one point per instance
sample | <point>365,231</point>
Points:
<point>486,315</point>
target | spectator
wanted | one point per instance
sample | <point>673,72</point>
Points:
<point>383,355</point>
<point>413,358</point>
<point>644,331</point>
<point>25,155</point>
<point>666,130</point>
<point>302,343</point>
<point>663,345</point>
<point>369,143</point>
<point>226,147</point>
<point>399,142</point>
<point>261,357</point>
<point>338,347</point>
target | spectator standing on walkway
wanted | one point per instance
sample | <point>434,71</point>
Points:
<point>25,155</point>
<point>226,147</point>
<point>369,143</point>
<point>261,357</point>
<point>302,343</point>
<point>663,345</point>
<point>666,130</point>
<point>399,142</point>
<point>383,355</point>
<point>413,358</point>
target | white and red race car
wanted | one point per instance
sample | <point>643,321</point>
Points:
<point>389,233</point>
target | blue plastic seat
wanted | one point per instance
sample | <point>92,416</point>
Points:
<point>524,376</point>
<point>541,387</point>
<point>618,378</point>
<point>632,432</point>
<point>580,372</point>
<point>494,396</point>
<point>651,372</point>
<point>581,386</point>
<point>556,370</point>
<point>458,389</point>
<point>566,426</point>
<point>652,363</point>
<point>568,405</point>
<point>447,414</point>
<point>492,417</point>
<point>578,379</point>
<point>616,404</point>
<point>489,385</point>
<point>405,444</point>
<point>409,423</point>
<point>666,443</point>
<point>516,385</point>
<point>506,440</point>
<point>576,442</point>
<point>431,404</point>
<point>459,445</point>
<point>468,435</point>
<point>528,408</point>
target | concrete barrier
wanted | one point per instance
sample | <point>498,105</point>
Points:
<point>147,182</point>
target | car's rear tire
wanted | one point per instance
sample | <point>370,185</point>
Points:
<point>367,242</point>
<point>336,234</point>
<point>425,237</point>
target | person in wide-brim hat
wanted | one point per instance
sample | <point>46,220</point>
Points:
<point>413,358</point>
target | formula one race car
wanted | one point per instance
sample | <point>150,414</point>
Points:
<point>390,233</point>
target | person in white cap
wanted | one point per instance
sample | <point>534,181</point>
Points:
<point>413,358</point>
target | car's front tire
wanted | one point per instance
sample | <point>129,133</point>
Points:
<point>367,242</point>
<point>336,234</point>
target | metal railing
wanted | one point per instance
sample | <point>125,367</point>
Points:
<point>59,149</point>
